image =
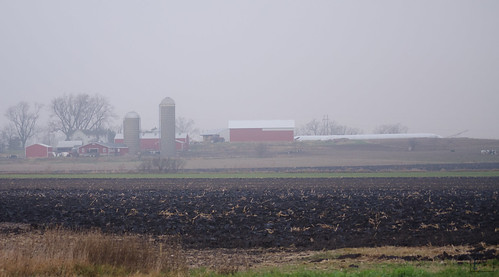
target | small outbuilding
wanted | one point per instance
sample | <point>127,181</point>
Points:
<point>95,149</point>
<point>39,150</point>
<point>214,136</point>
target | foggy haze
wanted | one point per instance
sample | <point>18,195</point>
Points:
<point>431,65</point>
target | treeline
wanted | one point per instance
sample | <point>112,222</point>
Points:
<point>67,114</point>
<point>326,127</point>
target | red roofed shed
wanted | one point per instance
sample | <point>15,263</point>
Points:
<point>39,150</point>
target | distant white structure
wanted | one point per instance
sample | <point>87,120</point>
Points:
<point>366,137</point>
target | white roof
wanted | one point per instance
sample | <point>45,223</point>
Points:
<point>264,124</point>
<point>149,135</point>
<point>368,136</point>
<point>42,144</point>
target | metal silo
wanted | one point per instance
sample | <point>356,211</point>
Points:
<point>167,127</point>
<point>131,132</point>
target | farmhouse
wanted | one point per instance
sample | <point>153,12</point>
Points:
<point>94,149</point>
<point>39,150</point>
<point>261,130</point>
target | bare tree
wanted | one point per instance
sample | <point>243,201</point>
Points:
<point>4,140</point>
<point>334,128</point>
<point>327,127</point>
<point>184,125</point>
<point>23,119</point>
<point>10,138</point>
<point>80,112</point>
<point>397,128</point>
<point>311,128</point>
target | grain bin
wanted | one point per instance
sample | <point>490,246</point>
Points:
<point>131,132</point>
<point>167,127</point>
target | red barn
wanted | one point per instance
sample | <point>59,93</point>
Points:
<point>261,130</point>
<point>149,141</point>
<point>182,142</point>
<point>94,149</point>
<point>39,150</point>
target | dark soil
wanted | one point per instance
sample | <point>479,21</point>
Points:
<point>243,213</point>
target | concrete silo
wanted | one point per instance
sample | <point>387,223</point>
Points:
<point>131,132</point>
<point>167,127</point>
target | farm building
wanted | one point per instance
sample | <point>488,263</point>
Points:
<point>215,135</point>
<point>149,141</point>
<point>39,150</point>
<point>102,149</point>
<point>67,146</point>
<point>261,130</point>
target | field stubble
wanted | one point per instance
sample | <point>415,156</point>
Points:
<point>233,224</point>
<point>58,252</point>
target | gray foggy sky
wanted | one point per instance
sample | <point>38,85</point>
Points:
<point>430,65</point>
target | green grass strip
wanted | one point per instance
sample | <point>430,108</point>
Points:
<point>419,174</point>
<point>393,271</point>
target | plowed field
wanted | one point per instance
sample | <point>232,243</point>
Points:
<point>317,213</point>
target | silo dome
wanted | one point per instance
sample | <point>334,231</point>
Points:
<point>132,115</point>
<point>167,102</point>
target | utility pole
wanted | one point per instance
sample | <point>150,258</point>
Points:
<point>325,125</point>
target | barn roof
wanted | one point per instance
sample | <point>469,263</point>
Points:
<point>107,144</point>
<point>264,124</point>
<point>44,145</point>
<point>149,135</point>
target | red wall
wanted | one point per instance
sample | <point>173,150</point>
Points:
<point>182,144</point>
<point>37,151</point>
<point>258,134</point>
<point>149,144</point>
<point>152,144</point>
